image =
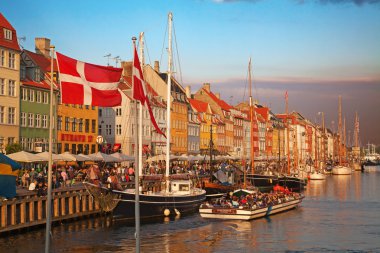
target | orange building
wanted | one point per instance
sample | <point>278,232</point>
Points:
<point>77,127</point>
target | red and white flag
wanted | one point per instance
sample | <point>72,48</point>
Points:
<point>139,90</point>
<point>88,84</point>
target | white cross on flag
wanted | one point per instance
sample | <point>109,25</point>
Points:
<point>139,91</point>
<point>88,84</point>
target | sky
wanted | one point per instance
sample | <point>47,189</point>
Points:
<point>314,49</point>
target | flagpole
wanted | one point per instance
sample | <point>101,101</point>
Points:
<point>137,165</point>
<point>49,197</point>
<point>168,102</point>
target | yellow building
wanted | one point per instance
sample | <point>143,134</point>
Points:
<point>9,84</point>
<point>77,127</point>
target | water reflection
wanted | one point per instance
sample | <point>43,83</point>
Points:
<point>340,214</point>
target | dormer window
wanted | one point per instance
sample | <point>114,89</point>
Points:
<point>7,34</point>
<point>37,75</point>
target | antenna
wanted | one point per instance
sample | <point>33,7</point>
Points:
<point>117,59</point>
<point>23,38</point>
<point>108,58</point>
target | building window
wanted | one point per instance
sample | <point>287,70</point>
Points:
<point>23,119</point>
<point>39,97</point>
<point>11,140</point>
<point>2,114</point>
<point>87,126</point>
<point>80,125</point>
<point>59,123</point>
<point>100,130</point>
<point>93,148</point>
<point>37,75</point>
<point>11,63</point>
<point>2,86</point>
<point>12,88</point>
<point>2,57</point>
<point>30,120</point>
<point>7,34</point>
<point>74,125</point>
<point>108,130</point>
<point>45,98</point>
<point>44,121</point>
<point>38,120</point>
<point>67,123</point>
<point>31,95</point>
<point>73,148</point>
<point>24,94</point>
<point>118,129</point>
<point>93,126</point>
<point>11,115</point>
<point>100,111</point>
<point>67,147</point>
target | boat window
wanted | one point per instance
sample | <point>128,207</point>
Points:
<point>184,187</point>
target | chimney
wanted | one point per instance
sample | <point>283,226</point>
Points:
<point>127,68</point>
<point>42,46</point>
<point>188,91</point>
<point>206,86</point>
<point>157,66</point>
<point>217,95</point>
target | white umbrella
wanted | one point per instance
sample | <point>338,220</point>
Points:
<point>25,157</point>
<point>85,157</point>
<point>161,157</point>
<point>101,157</point>
<point>122,157</point>
<point>78,158</point>
<point>55,157</point>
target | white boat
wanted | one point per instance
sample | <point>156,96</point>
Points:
<point>248,213</point>
<point>341,170</point>
<point>317,176</point>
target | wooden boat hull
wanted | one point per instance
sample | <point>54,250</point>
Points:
<point>154,205</point>
<point>246,214</point>
<point>264,183</point>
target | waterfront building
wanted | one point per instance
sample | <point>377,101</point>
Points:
<point>205,116</point>
<point>193,134</point>
<point>238,118</point>
<point>35,100</point>
<point>221,108</point>
<point>9,84</point>
<point>244,106</point>
<point>180,105</point>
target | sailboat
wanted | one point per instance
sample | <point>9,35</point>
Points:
<point>266,180</point>
<point>340,169</point>
<point>356,148</point>
<point>316,174</point>
<point>176,195</point>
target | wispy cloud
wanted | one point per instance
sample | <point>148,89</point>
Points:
<point>356,2</point>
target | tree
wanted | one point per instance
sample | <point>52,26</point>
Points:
<point>13,148</point>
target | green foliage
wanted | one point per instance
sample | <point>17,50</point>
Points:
<point>13,148</point>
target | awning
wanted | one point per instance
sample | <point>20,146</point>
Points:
<point>116,147</point>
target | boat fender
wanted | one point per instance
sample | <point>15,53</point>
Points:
<point>177,212</point>
<point>166,212</point>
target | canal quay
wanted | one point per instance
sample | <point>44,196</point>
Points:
<point>339,214</point>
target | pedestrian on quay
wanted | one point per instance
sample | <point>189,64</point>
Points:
<point>32,185</point>
<point>25,179</point>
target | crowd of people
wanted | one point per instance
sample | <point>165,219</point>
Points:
<point>254,201</point>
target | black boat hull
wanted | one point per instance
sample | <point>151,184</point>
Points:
<point>294,184</point>
<point>154,206</point>
<point>264,183</point>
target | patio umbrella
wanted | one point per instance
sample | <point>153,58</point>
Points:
<point>25,157</point>
<point>8,173</point>
<point>85,158</point>
<point>77,158</point>
<point>55,157</point>
<point>122,157</point>
<point>101,157</point>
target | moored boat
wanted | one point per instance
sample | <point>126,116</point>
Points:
<point>317,176</point>
<point>251,209</point>
<point>341,170</point>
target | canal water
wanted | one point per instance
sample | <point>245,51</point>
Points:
<point>341,214</point>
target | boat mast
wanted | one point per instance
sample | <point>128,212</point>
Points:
<point>251,116</point>
<point>287,131</point>
<point>344,138</point>
<point>141,47</point>
<point>340,130</point>
<point>356,130</point>
<point>168,100</point>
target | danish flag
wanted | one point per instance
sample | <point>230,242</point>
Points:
<point>88,84</point>
<point>139,90</point>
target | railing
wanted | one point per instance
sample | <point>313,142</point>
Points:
<point>30,210</point>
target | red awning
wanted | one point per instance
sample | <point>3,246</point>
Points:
<point>116,147</point>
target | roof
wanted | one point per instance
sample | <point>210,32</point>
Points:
<point>43,84</point>
<point>12,44</point>
<point>42,61</point>
<point>198,105</point>
<point>219,101</point>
